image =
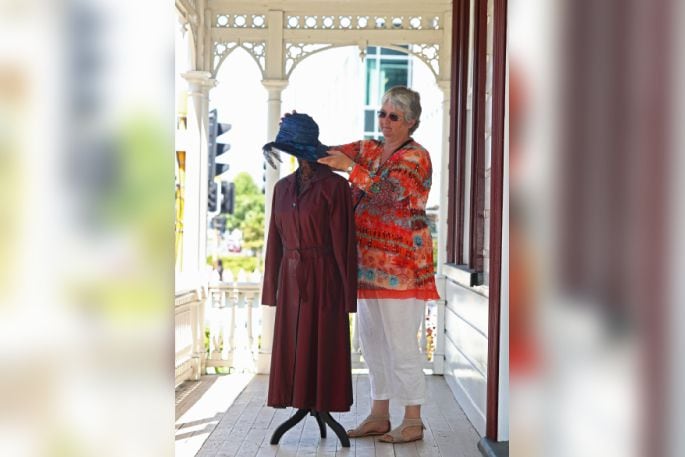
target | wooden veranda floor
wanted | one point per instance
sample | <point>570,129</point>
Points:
<point>227,416</point>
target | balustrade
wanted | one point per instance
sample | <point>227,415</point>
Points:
<point>188,341</point>
<point>222,330</point>
<point>233,323</point>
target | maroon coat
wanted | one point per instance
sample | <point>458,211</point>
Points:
<point>311,277</point>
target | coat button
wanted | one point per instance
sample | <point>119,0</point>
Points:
<point>294,205</point>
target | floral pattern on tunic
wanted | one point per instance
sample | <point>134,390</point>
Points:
<point>394,245</point>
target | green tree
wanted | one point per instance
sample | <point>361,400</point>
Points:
<point>247,198</point>
<point>248,212</point>
<point>253,230</point>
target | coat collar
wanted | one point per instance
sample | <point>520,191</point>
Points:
<point>320,173</point>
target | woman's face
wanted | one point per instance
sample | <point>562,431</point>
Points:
<point>394,130</point>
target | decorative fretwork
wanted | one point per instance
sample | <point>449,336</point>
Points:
<point>429,53</point>
<point>346,22</point>
<point>230,27</point>
<point>327,22</point>
<point>295,52</point>
<point>416,22</point>
<point>241,21</point>
<point>256,49</point>
<point>221,51</point>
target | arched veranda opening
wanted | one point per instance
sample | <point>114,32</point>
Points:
<point>329,85</point>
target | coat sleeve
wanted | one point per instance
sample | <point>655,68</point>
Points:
<point>272,259</point>
<point>344,240</point>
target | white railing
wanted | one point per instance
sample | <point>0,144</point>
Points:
<point>188,341</point>
<point>233,318</point>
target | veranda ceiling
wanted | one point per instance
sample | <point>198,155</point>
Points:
<point>279,34</point>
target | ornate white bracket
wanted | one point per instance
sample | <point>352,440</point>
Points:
<point>188,16</point>
<point>430,54</point>
<point>296,52</point>
<point>222,49</point>
<point>183,25</point>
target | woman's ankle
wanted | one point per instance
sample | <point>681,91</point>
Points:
<point>412,412</point>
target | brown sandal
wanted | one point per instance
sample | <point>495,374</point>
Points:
<point>366,427</point>
<point>398,435</point>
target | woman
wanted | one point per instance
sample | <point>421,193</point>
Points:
<point>391,180</point>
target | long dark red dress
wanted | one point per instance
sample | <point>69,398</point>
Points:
<point>311,277</point>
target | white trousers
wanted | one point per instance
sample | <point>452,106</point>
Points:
<point>388,331</point>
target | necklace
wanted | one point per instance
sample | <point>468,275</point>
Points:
<point>385,158</point>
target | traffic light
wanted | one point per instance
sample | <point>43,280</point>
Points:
<point>221,165</point>
<point>218,223</point>
<point>218,146</point>
<point>212,195</point>
<point>228,197</point>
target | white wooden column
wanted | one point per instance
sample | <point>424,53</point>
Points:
<point>275,89</point>
<point>274,82</point>
<point>195,210</point>
<point>444,174</point>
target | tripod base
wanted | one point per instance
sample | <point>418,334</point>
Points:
<point>322,418</point>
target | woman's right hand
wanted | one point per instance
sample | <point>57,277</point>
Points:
<point>336,160</point>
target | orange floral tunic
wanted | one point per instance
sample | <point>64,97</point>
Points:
<point>394,245</point>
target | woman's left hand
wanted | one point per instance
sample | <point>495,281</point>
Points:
<point>336,160</point>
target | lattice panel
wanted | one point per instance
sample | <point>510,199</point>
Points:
<point>429,53</point>
<point>256,49</point>
<point>295,52</point>
<point>221,50</point>
<point>241,21</point>
<point>355,22</point>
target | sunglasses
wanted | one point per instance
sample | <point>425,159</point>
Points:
<point>392,116</point>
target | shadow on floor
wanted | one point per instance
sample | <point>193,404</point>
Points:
<point>189,392</point>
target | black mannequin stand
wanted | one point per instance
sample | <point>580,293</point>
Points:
<point>322,418</point>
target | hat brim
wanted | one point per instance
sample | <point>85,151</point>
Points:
<point>306,152</point>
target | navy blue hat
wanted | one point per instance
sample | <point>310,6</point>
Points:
<point>298,136</point>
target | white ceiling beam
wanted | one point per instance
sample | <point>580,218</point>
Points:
<point>334,7</point>
<point>333,37</point>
